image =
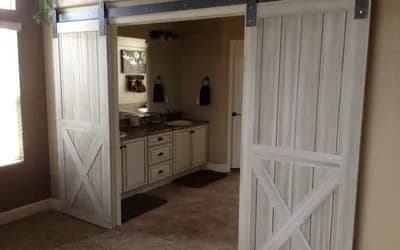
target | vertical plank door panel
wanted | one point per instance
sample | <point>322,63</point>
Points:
<point>288,88</point>
<point>307,101</point>
<point>268,108</point>
<point>81,84</point>
<point>303,97</point>
<point>328,117</point>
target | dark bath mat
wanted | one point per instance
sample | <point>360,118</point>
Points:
<point>139,204</point>
<point>200,178</point>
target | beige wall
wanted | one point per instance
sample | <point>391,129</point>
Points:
<point>165,60</point>
<point>378,221</point>
<point>28,182</point>
<point>206,53</point>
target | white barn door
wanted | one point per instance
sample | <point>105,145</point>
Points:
<point>81,79</point>
<point>305,64</point>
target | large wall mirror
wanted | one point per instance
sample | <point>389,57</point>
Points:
<point>149,69</point>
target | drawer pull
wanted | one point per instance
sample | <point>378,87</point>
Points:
<point>160,138</point>
<point>160,154</point>
<point>160,171</point>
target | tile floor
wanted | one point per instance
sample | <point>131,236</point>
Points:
<point>193,219</point>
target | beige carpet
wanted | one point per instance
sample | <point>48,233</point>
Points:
<point>193,219</point>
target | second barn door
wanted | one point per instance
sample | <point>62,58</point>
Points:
<point>303,93</point>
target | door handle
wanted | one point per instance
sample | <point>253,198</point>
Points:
<point>235,114</point>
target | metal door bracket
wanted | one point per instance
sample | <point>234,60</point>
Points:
<point>102,16</point>
<point>361,9</point>
<point>54,21</point>
<point>251,14</point>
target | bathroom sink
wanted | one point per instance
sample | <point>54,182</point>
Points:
<point>179,123</point>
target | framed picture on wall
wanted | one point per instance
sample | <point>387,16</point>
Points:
<point>133,61</point>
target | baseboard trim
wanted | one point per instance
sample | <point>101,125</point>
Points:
<point>26,211</point>
<point>218,167</point>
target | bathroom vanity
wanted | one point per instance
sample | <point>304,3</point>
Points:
<point>155,154</point>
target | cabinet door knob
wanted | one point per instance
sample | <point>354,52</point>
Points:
<point>160,154</point>
<point>160,171</point>
<point>160,138</point>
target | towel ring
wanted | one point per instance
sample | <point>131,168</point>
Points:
<point>205,81</point>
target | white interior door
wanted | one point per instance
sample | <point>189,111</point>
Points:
<point>80,58</point>
<point>305,64</point>
<point>236,76</point>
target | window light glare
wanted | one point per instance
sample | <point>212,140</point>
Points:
<point>7,4</point>
<point>11,145</point>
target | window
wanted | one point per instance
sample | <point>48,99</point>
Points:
<point>11,145</point>
<point>7,4</point>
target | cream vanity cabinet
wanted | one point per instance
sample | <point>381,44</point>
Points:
<point>182,150</point>
<point>156,157</point>
<point>199,146</point>
<point>146,160</point>
<point>160,153</point>
<point>134,163</point>
<point>190,148</point>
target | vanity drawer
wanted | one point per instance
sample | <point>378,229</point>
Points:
<point>160,171</point>
<point>159,154</point>
<point>160,139</point>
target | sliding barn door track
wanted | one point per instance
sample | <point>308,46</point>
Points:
<point>103,12</point>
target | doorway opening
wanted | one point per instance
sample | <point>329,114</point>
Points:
<point>179,84</point>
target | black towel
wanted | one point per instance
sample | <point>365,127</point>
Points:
<point>205,92</point>
<point>158,91</point>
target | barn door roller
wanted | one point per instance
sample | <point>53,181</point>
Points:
<point>54,21</point>
<point>102,18</point>
<point>361,9</point>
<point>251,13</point>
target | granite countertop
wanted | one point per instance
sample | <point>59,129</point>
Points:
<point>151,129</point>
